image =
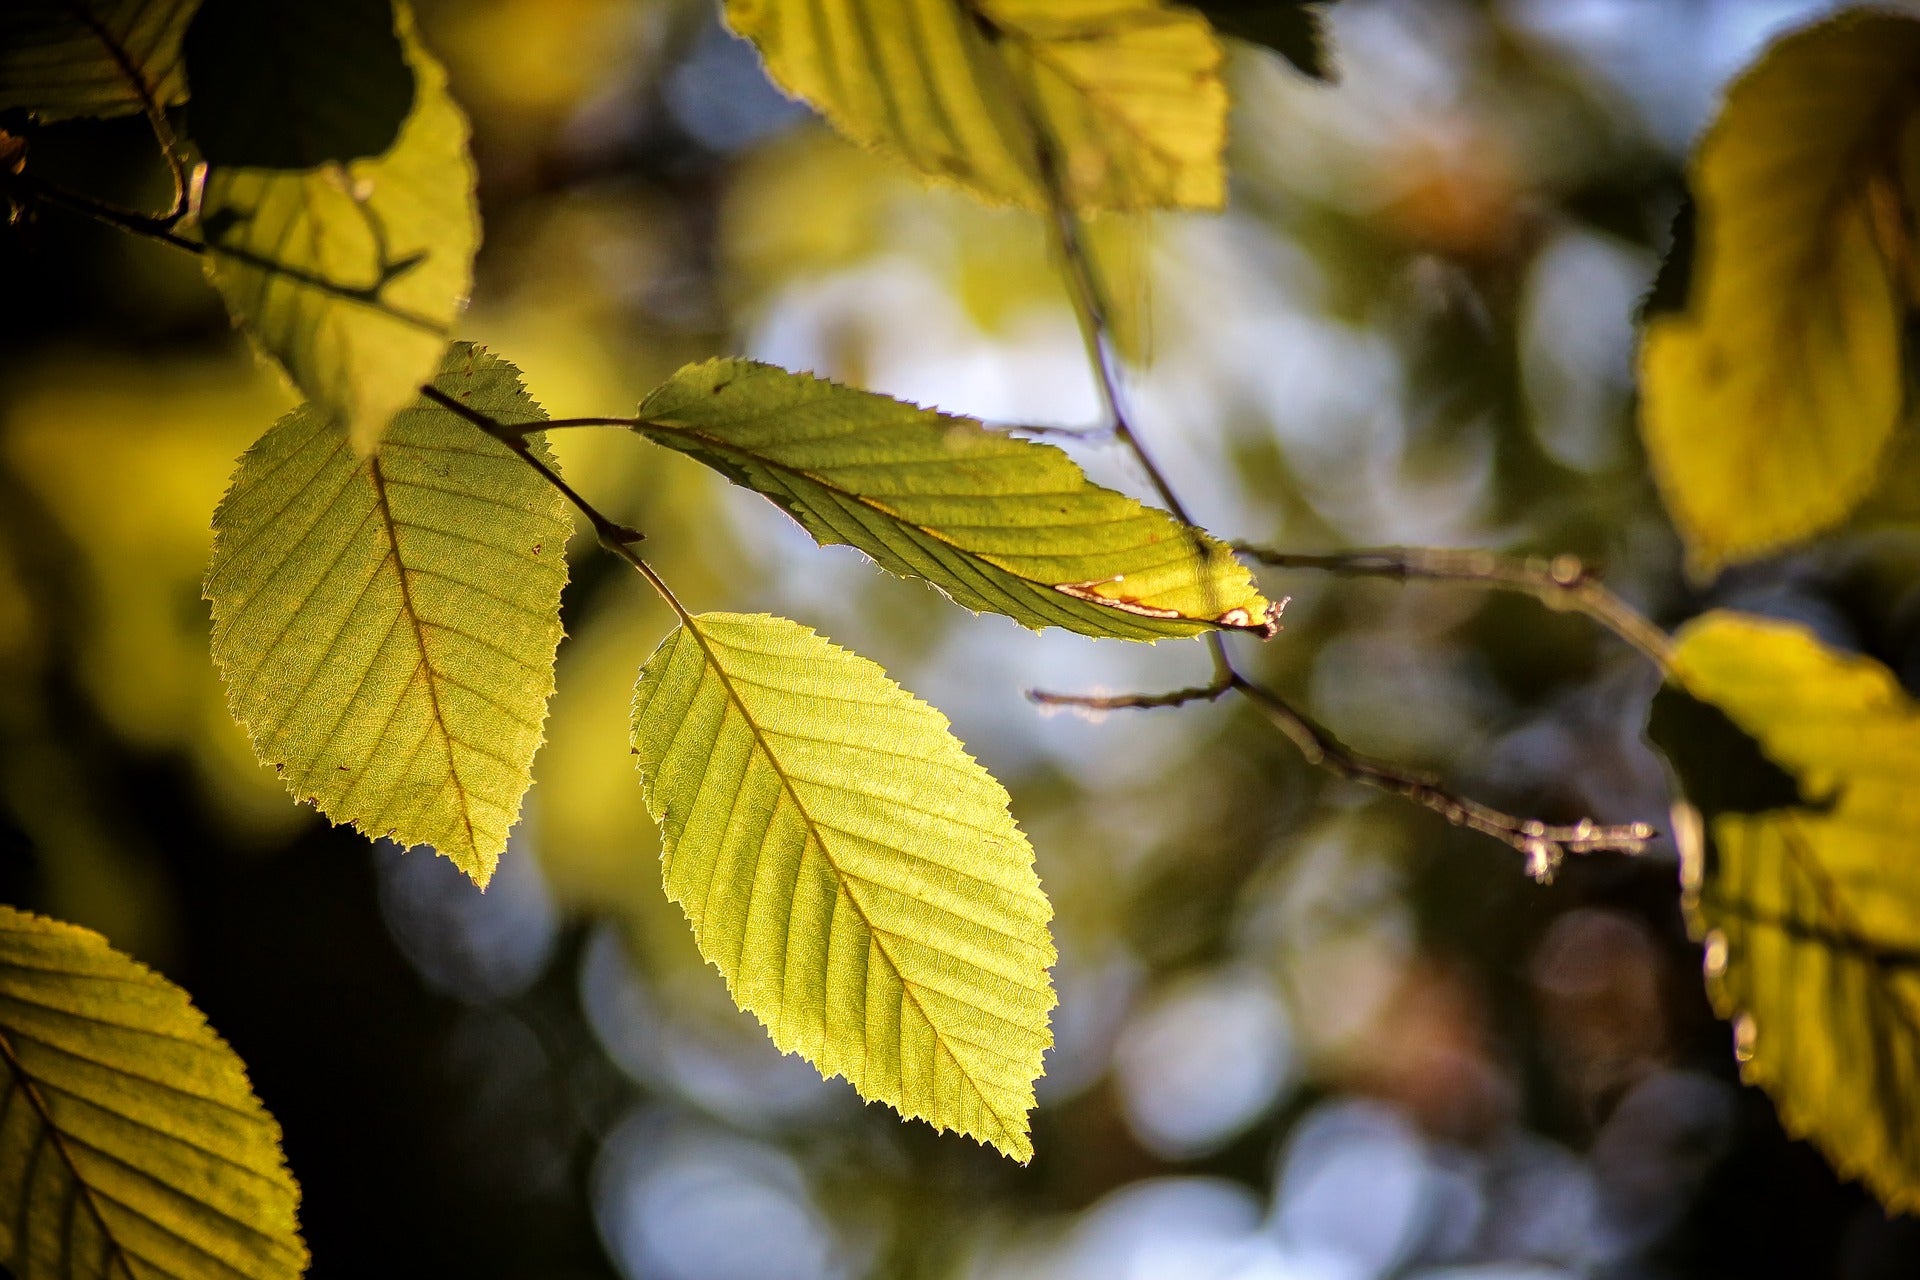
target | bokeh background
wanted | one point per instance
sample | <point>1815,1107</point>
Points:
<point>1305,1033</point>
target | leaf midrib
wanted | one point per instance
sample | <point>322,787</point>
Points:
<point>874,505</point>
<point>377,478</point>
<point>845,879</point>
<point>144,93</point>
<point>28,1086</point>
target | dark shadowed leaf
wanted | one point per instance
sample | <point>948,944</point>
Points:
<point>65,58</point>
<point>280,84</point>
<point>1294,29</point>
<point>1797,836</point>
<point>350,276</point>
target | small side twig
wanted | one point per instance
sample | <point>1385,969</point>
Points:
<point>1561,582</point>
<point>1096,702</point>
<point>1544,846</point>
<point>617,538</point>
<point>27,189</point>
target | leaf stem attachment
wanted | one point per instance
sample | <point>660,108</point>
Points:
<point>617,538</point>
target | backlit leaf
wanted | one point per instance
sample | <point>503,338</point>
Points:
<point>387,625</point>
<point>131,1144</point>
<point>850,870</point>
<point>1798,764</point>
<point>335,74</point>
<point>1768,401</point>
<point>996,522</point>
<point>351,275</point>
<point>65,58</point>
<point>1128,91</point>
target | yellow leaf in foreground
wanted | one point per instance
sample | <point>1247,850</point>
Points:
<point>1128,92</point>
<point>1799,765</point>
<point>1768,401</point>
<point>387,625</point>
<point>850,870</point>
<point>131,1145</point>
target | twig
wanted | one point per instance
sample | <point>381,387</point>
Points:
<point>27,187</point>
<point>614,536</point>
<point>30,188</point>
<point>1133,701</point>
<point>1544,846</point>
<point>1561,583</point>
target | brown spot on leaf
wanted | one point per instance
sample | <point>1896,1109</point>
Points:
<point>1090,591</point>
<point>1266,626</point>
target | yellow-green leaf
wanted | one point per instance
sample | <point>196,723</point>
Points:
<point>850,870</point>
<point>65,58</point>
<point>996,522</point>
<point>350,276</point>
<point>387,625</point>
<point>131,1144</point>
<point>1769,399</point>
<point>1127,91</point>
<point>1797,837</point>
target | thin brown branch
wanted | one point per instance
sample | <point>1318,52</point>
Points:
<point>30,190</point>
<point>1545,847</point>
<point>614,536</point>
<point>1097,702</point>
<point>1561,582</point>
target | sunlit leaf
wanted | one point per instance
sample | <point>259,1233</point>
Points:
<point>351,275</point>
<point>335,73</point>
<point>1294,29</point>
<point>1128,91</point>
<point>1798,764</point>
<point>65,58</point>
<point>851,871</point>
<point>387,625</point>
<point>996,522</point>
<point>131,1144</point>
<point>1769,400</point>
